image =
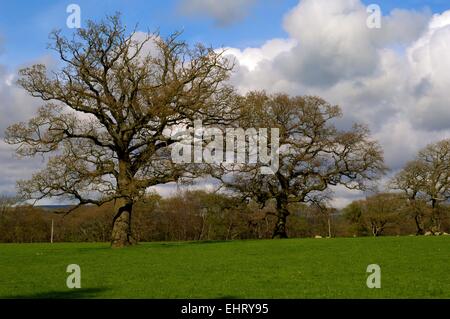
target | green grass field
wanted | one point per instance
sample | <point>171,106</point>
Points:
<point>411,267</point>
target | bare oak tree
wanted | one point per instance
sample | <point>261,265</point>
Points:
<point>411,181</point>
<point>427,178</point>
<point>110,113</point>
<point>313,154</point>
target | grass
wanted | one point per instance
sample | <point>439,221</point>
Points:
<point>411,267</point>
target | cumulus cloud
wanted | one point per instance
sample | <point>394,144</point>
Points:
<point>16,105</point>
<point>252,57</point>
<point>14,169</point>
<point>335,43</point>
<point>429,60</point>
<point>223,13</point>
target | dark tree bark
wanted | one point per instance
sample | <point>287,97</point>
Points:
<point>280,228</point>
<point>418,221</point>
<point>121,235</point>
<point>282,214</point>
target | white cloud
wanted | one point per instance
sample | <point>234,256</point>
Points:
<point>16,105</point>
<point>251,57</point>
<point>14,169</point>
<point>429,60</point>
<point>342,196</point>
<point>335,43</point>
<point>222,12</point>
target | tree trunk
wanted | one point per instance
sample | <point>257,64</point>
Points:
<point>329,226</point>
<point>374,230</point>
<point>420,230</point>
<point>121,231</point>
<point>282,214</point>
<point>435,218</point>
<point>230,227</point>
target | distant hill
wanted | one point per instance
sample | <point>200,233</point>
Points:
<point>54,207</point>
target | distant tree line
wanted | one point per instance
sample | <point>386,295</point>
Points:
<point>198,215</point>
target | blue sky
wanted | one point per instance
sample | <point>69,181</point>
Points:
<point>25,25</point>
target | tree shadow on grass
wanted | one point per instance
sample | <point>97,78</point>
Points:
<point>86,293</point>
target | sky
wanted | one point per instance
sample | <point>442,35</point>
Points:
<point>394,79</point>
